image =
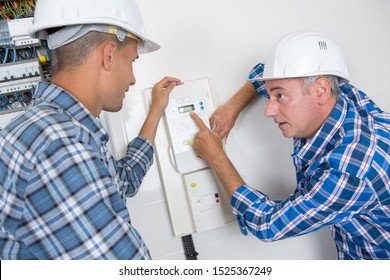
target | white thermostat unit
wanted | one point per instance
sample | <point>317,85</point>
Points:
<point>186,98</point>
<point>195,197</point>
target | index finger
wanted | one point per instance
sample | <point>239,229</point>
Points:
<point>165,82</point>
<point>198,121</point>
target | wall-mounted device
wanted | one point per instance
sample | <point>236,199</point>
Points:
<point>25,61</point>
<point>14,33</point>
<point>195,197</point>
<point>205,200</point>
<point>182,128</point>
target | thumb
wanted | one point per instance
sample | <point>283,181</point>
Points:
<point>170,87</point>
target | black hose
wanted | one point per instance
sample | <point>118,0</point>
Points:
<point>189,247</point>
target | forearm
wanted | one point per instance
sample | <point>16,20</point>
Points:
<point>226,173</point>
<point>133,166</point>
<point>149,128</point>
<point>243,97</point>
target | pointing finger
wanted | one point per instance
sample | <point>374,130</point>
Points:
<point>198,121</point>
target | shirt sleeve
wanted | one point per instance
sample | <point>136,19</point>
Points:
<point>73,209</point>
<point>257,72</point>
<point>133,166</point>
<point>329,196</point>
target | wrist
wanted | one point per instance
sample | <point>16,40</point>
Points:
<point>242,98</point>
<point>228,176</point>
<point>155,113</point>
<point>218,159</point>
<point>234,106</point>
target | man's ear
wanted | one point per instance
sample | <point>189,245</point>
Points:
<point>323,90</point>
<point>109,51</point>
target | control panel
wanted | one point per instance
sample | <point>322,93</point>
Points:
<point>24,61</point>
<point>182,128</point>
<point>195,197</point>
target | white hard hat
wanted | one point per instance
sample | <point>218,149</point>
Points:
<point>122,14</point>
<point>304,54</point>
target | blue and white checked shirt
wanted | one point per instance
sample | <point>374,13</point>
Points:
<point>343,182</point>
<point>62,193</point>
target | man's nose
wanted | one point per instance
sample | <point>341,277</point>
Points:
<point>271,110</point>
<point>132,80</point>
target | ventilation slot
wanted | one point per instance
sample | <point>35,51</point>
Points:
<point>322,45</point>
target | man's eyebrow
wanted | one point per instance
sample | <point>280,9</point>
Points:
<point>276,88</point>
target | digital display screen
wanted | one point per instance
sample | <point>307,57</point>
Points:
<point>187,108</point>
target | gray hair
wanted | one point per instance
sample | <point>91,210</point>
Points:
<point>334,80</point>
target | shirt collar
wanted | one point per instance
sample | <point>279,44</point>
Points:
<point>309,149</point>
<point>63,100</point>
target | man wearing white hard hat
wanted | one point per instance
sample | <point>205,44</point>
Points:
<point>341,150</point>
<point>63,194</point>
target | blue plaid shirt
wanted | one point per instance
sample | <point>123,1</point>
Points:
<point>343,182</point>
<point>62,193</point>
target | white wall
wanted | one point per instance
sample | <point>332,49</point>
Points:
<point>222,40</point>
